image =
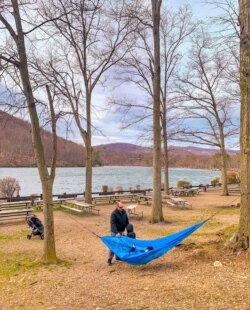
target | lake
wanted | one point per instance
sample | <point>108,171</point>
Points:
<point>72,180</point>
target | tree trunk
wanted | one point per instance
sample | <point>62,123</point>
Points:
<point>156,215</point>
<point>49,253</point>
<point>88,178</point>
<point>166,171</point>
<point>242,238</point>
<point>89,150</point>
<point>165,150</point>
<point>224,169</point>
<point>47,182</point>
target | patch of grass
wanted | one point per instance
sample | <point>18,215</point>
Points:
<point>37,209</point>
<point>70,204</point>
<point>13,263</point>
<point>64,263</point>
<point>228,211</point>
<point>57,207</point>
<point>15,236</point>
<point>203,234</point>
<point>60,262</point>
<point>213,224</point>
<point>82,214</point>
<point>227,232</point>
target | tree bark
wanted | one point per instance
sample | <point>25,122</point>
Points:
<point>224,168</point>
<point>165,150</point>
<point>49,250</point>
<point>242,238</point>
<point>89,152</point>
<point>156,215</point>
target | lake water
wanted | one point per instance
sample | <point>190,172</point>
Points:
<point>72,180</point>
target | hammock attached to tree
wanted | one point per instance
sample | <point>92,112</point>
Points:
<point>139,252</point>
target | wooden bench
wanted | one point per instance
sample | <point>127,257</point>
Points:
<point>234,192</point>
<point>16,213</point>
<point>15,205</point>
<point>81,207</point>
<point>39,203</point>
<point>129,197</point>
<point>132,212</point>
<point>144,199</point>
<point>177,202</point>
<point>104,198</point>
<point>170,203</point>
<point>71,208</point>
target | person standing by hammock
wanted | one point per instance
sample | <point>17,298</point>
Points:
<point>118,222</point>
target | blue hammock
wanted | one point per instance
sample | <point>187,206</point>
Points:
<point>139,252</point>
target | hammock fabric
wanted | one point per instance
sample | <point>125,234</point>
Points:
<point>139,252</point>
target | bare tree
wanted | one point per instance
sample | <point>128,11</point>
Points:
<point>227,34</point>
<point>204,96</point>
<point>175,28</point>
<point>90,41</point>
<point>8,186</point>
<point>15,60</point>
<point>157,214</point>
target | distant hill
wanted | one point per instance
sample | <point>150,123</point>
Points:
<point>200,151</point>
<point>123,147</point>
<point>16,150</point>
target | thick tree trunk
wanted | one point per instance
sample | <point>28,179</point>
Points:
<point>156,215</point>
<point>242,238</point>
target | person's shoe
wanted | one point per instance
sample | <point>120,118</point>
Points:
<point>109,261</point>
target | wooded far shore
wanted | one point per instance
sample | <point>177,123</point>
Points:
<point>16,151</point>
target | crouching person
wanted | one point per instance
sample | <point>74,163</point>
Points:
<point>118,222</point>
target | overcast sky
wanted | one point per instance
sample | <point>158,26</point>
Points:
<point>107,125</point>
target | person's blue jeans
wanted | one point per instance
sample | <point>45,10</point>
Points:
<point>111,254</point>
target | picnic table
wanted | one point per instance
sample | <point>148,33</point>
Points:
<point>80,207</point>
<point>132,211</point>
<point>144,199</point>
<point>176,201</point>
<point>184,191</point>
<point>115,197</point>
<point>128,196</point>
<point>104,198</point>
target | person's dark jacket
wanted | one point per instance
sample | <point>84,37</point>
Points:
<point>130,231</point>
<point>119,221</point>
<point>131,235</point>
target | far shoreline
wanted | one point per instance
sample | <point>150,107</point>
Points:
<point>195,168</point>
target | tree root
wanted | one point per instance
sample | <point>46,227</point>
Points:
<point>238,242</point>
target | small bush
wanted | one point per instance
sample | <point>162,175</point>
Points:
<point>232,178</point>
<point>183,183</point>
<point>215,181</point>
<point>8,186</point>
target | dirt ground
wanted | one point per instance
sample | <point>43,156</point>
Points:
<point>200,274</point>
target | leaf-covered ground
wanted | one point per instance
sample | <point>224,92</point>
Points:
<point>200,274</point>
